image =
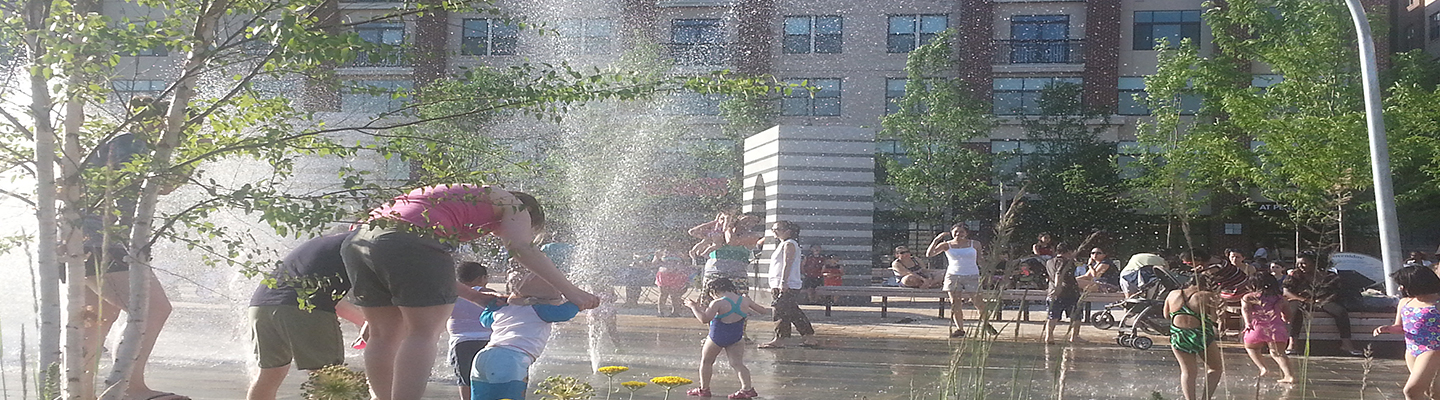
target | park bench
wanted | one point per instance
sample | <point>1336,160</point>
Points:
<point>1024,296</point>
<point>1322,327</point>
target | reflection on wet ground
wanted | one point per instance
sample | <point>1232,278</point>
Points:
<point>861,357</point>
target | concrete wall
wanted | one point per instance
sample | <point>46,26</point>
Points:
<point>822,178</point>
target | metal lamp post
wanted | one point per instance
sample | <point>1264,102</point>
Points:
<point>1379,149</point>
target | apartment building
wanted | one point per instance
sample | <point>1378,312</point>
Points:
<point>853,51</point>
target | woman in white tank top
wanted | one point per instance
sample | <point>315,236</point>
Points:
<point>962,275</point>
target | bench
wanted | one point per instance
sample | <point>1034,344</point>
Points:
<point>1024,296</point>
<point>1362,324</point>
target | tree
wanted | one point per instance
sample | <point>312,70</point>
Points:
<point>234,47</point>
<point>941,176</point>
<point>1073,172</point>
<point>1299,139</point>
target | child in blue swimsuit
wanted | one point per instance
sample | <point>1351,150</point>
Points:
<point>726,316</point>
<point>1416,318</point>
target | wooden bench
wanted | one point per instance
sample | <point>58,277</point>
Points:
<point>1362,324</point>
<point>1024,296</point>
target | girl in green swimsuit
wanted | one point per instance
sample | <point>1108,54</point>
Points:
<point>1192,312</point>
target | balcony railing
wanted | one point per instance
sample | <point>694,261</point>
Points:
<point>1017,51</point>
<point>699,54</point>
<point>385,59</point>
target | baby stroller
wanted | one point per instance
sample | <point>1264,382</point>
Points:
<point>1144,310</point>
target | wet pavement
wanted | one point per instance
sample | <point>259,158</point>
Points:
<point>861,357</point>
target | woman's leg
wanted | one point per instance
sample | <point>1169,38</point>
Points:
<point>116,293</point>
<point>1296,310</point>
<point>386,329</point>
<point>913,281</point>
<point>1187,373</point>
<point>736,356</point>
<point>957,315</point>
<point>416,351</point>
<point>707,362</point>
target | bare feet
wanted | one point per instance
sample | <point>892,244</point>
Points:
<point>774,344</point>
<point>1288,379</point>
<point>1264,371</point>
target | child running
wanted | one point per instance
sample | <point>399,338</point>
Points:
<point>521,330</point>
<point>1418,318</point>
<point>726,316</point>
<point>1263,310</point>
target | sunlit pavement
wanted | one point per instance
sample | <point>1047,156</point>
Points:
<point>861,357</point>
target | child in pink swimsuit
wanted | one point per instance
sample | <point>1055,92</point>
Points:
<point>1263,309</point>
<point>1418,318</point>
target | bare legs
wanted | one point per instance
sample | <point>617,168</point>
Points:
<point>1423,370</point>
<point>675,303</point>
<point>1277,352</point>
<point>957,315</point>
<point>267,383</point>
<point>114,289</point>
<point>1214,368</point>
<point>401,349</point>
<point>735,354</point>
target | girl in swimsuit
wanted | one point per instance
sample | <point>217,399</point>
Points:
<point>726,316</point>
<point>1263,310</point>
<point>1192,312</point>
<point>1417,317</point>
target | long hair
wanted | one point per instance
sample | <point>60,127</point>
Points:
<point>1416,281</point>
<point>537,214</point>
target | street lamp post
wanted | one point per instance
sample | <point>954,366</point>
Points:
<point>1379,149</point>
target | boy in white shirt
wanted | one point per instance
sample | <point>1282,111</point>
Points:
<point>467,335</point>
<point>521,329</point>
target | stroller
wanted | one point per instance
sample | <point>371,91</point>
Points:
<point>1144,310</point>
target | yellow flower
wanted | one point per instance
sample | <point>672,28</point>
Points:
<point>612,370</point>
<point>670,382</point>
<point>633,385</point>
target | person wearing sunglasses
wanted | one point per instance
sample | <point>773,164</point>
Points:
<point>1099,273</point>
<point>911,272</point>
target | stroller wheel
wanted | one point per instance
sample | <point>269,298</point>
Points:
<point>1120,339</point>
<point>1143,343</point>
<point>1127,341</point>
<point>1102,320</point>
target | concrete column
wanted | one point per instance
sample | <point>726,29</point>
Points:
<point>822,178</point>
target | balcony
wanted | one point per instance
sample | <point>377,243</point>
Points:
<point>698,54</point>
<point>1016,51</point>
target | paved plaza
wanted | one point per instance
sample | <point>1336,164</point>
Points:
<point>862,356</point>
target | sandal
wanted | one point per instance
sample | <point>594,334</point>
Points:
<point>698,392</point>
<point>745,394</point>
<point>957,333</point>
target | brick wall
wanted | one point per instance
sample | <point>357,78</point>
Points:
<point>1102,54</point>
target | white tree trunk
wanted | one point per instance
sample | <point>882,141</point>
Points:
<point>72,256</point>
<point>175,124</point>
<point>48,267</point>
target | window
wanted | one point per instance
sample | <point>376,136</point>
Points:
<point>813,34</point>
<point>894,90</point>
<point>1126,153</point>
<point>588,35</point>
<point>374,96</point>
<point>127,89</point>
<point>1435,26</point>
<point>910,31</point>
<point>1265,81</point>
<point>1232,229</point>
<point>696,42</point>
<point>1039,39</point>
<point>489,37</point>
<point>381,33</point>
<point>824,103</point>
<point>158,50</point>
<point>1021,96</point>
<point>691,103</point>
<point>1132,96</point>
<point>1151,26</point>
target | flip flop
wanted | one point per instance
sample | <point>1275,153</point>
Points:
<point>770,346</point>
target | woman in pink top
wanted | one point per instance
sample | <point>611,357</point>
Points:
<point>403,274</point>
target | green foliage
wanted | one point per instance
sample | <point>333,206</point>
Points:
<point>335,382</point>
<point>1310,147</point>
<point>1073,172</point>
<point>941,176</point>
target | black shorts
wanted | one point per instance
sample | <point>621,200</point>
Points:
<point>810,282</point>
<point>389,267</point>
<point>462,357</point>
<point>1064,306</point>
